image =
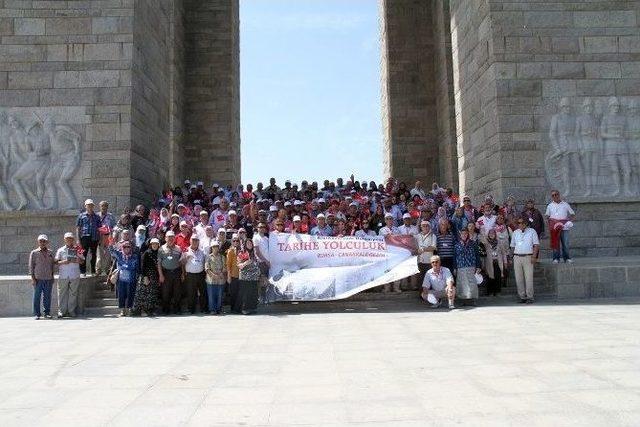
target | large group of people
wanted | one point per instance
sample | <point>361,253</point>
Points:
<point>195,248</point>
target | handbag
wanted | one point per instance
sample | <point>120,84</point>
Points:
<point>113,277</point>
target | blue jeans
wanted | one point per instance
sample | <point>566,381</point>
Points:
<point>214,295</point>
<point>126,292</point>
<point>42,290</point>
<point>564,247</point>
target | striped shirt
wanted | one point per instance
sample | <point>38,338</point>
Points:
<point>445,245</point>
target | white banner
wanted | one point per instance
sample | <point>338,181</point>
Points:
<point>312,268</point>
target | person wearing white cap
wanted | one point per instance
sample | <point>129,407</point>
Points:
<point>68,258</point>
<point>169,274</point>
<point>322,229</point>
<point>41,262</point>
<point>407,226</point>
<point>183,238</point>
<point>193,276</point>
<point>389,227</point>
<point>202,225</point>
<point>220,215</point>
<point>438,283</point>
<point>87,226</point>
<point>206,239</point>
<point>147,291</point>
<point>295,225</point>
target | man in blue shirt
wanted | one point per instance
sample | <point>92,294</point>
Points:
<point>87,227</point>
<point>322,229</point>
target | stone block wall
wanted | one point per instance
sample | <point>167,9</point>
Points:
<point>152,80</point>
<point>516,61</point>
<point>408,100</point>
<point>69,62</point>
<point>212,94</point>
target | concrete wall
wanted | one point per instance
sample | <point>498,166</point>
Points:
<point>212,94</point>
<point>71,61</point>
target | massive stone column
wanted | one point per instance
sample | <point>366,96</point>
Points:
<point>417,101</point>
<point>212,111</point>
<point>546,97</point>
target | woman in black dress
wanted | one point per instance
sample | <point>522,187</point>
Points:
<point>148,287</point>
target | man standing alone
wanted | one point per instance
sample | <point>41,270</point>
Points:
<point>560,216</point>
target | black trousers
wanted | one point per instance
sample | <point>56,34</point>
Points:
<point>89,245</point>
<point>171,291</point>
<point>248,295</point>
<point>447,262</point>
<point>234,301</point>
<point>495,285</point>
<point>195,288</point>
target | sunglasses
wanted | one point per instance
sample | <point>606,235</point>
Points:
<point>435,262</point>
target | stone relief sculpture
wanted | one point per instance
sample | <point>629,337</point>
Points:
<point>588,145</point>
<point>590,155</point>
<point>35,159</point>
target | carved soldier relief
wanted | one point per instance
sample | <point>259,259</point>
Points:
<point>37,159</point>
<point>593,154</point>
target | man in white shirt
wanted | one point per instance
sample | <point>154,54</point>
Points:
<point>487,221</point>
<point>390,227</point>
<point>525,246</point>
<point>407,228</point>
<point>438,282</point>
<point>193,275</point>
<point>207,239</point>
<point>68,259</point>
<point>560,217</point>
<point>199,229</point>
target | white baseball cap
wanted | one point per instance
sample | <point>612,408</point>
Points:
<point>405,216</point>
<point>222,230</point>
<point>287,203</point>
<point>322,200</point>
<point>296,218</point>
<point>89,202</point>
<point>273,208</point>
<point>233,213</point>
<point>43,237</point>
<point>388,215</point>
<point>320,216</point>
<point>170,233</point>
<point>154,240</point>
<point>67,235</point>
<point>142,227</point>
<point>204,213</point>
<point>183,223</point>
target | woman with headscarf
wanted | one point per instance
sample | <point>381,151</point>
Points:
<point>495,262</point>
<point>249,276</point>
<point>147,289</point>
<point>124,223</point>
<point>467,266</point>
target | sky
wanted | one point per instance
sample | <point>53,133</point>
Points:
<point>310,90</point>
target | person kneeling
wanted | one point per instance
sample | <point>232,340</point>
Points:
<point>438,283</point>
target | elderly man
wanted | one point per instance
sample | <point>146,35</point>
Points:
<point>41,262</point>
<point>487,221</point>
<point>87,226</point>
<point>438,283</point>
<point>407,228</point>
<point>68,259</point>
<point>193,262</point>
<point>198,230</point>
<point>106,217</point>
<point>525,246</point>
<point>559,213</point>
<point>322,229</point>
<point>169,273</point>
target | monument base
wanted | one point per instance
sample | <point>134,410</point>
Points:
<point>602,277</point>
<point>16,295</point>
<point>20,229</point>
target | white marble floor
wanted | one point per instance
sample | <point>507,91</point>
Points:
<point>380,365</point>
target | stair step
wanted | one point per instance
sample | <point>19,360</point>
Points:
<point>109,311</point>
<point>102,302</point>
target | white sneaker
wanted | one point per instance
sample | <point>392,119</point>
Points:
<point>570,261</point>
<point>555,261</point>
<point>451,306</point>
<point>123,313</point>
